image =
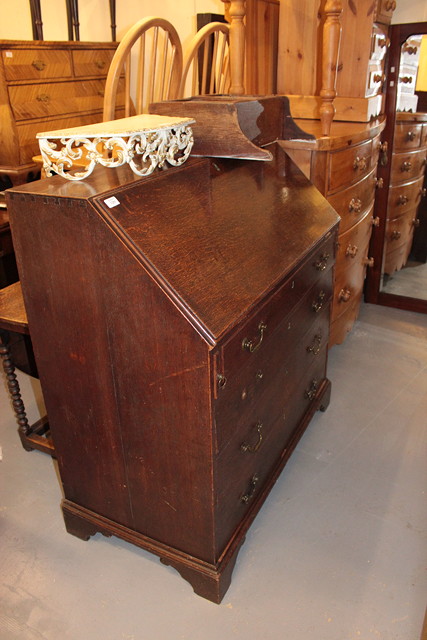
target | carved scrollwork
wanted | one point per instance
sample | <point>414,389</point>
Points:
<point>75,158</point>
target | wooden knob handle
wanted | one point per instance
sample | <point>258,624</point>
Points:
<point>416,222</point>
<point>406,79</point>
<point>402,200</point>
<point>369,262</point>
<point>360,163</point>
<point>376,222</point>
<point>344,295</point>
<point>351,251</point>
<point>395,235</point>
<point>379,183</point>
<point>355,205</point>
<point>406,166</point>
<point>411,135</point>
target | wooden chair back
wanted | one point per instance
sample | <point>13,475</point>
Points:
<point>208,57</point>
<point>153,47</point>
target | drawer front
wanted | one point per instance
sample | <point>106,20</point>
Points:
<point>241,473</point>
<point>57,98</point>
<point>32,64</point>
<point>93,62</point>
<point>351,203</point>
<point>407,136</point>
<point>354,243</point>
<point>384,11</point>
<point>350,165</point>
<point>375,79</point>
<point>380,42</point>
<point>257,384</point>
<point>257,331</point>
<point>405,166</point>
<point>343,324</point>
<point>403,197</point>
<point>407,79</point>
<point>411,49</point>
<point>399,230</point>
<point>349,283</point>
<point>396,258</point>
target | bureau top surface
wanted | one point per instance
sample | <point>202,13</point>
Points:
<point>217,235</point>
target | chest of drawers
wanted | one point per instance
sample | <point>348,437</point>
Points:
<point>405,191</point>
<point>343,167</point>
<point>188,325</point>
<point>46,86</point>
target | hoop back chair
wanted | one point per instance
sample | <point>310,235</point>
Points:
<point>154,45</point>
<point>208,56</point>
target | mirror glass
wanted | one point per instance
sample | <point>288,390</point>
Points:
<point>404,265</point>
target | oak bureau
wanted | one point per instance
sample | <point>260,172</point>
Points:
<point>180,324</point>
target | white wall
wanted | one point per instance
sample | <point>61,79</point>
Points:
<point>410,11</point>
<point>94,16</point>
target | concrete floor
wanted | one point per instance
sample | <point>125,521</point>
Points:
<point>338,552</point>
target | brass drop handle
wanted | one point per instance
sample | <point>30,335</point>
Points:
<point>249,345</point>
<point>317,305</point>
<point>395,235</point>
<point>360,163</point>
<point>355,205</point>
<point>253,448</point>
<point>39,65</point>
<point>351,251</point>
<point>310,393</point>
<point>369,262</point>
<point>100,64</point>
<point>344,295</point>
<point>376,221</point>
<point>252,487</point>
<point>321,263</point>
<point>411,135</point>
<point>406,166</point>
<point>221,380</point>
<point>416,222</point>
<point>383,154</point>
<point>43,97</point>
<point>316,345</point>
<point>402,200</point>
<point>379,183</point>
<point>390,5</point>
<point>406,79</point>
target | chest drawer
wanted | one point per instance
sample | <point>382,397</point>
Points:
<point>399,230</point>
<point>266,376</point>
<point>257,331</point>
<point>31,64</point>
<point>241,472</point>
<point>353,244</point>
<point>93,62</point>
<point>56,98</point>
<point>350,165</point>
<point>404,196</point>
<point>406,166</point>
<point>351,203</point>
<point>407,136</point>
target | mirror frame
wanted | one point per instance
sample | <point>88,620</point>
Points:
<point>399,33</point>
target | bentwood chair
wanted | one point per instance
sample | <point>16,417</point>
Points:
<point>153,47</point>
<point>208,57</point>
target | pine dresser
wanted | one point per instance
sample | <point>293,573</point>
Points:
<point>180,325</point>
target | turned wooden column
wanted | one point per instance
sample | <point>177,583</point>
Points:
<point>330,51</point>
<point>235,11</point>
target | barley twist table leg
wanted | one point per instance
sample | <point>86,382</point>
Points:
<point>14,390</point>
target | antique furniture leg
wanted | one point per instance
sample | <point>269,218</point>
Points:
<point>13,319</point>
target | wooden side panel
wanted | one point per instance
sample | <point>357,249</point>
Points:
<point>299,56</point>
<point>262,31</point>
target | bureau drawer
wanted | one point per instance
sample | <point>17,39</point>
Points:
<point>407,136</point>
<point>257,331</point>
<point>403,197</point>
<point>93,62</point>
<point>262,383</point>
<point>405,166</point>
<point>241,475</point>
<point>36,64</point>
<point>349,165</point>
<point>353,244</point>
<point>41,100</point>
<point>351,204</point>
